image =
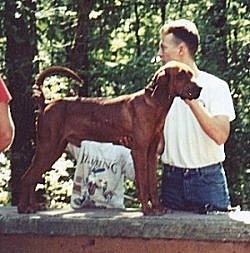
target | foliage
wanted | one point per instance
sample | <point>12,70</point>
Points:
<point>5,177</point>
<point>59,182</point>
<point>121,48</point>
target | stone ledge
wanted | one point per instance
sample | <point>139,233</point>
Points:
<point>130,223</point>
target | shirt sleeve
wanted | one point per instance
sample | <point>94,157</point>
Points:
<point>4,93</point>
<point>222,103</point>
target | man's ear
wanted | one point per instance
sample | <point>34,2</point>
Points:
<point>182,48</point>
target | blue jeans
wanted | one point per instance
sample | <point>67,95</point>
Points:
<point>195,189</point>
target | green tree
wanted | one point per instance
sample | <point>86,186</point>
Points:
<point>112,44</point>
<point>20,51</point>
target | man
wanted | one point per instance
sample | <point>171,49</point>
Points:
<point>6,123</point>
<point>195,131</point>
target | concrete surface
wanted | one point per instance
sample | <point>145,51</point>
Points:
<point>128,223</point>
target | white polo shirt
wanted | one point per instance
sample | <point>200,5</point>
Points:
<point>186,144</point>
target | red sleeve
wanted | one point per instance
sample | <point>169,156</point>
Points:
<point>4,93</point>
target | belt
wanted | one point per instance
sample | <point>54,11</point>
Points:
<point>173,168</point>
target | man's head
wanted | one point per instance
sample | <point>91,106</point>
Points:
<point>179,41</point>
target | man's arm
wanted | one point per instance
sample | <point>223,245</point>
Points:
<point>216,127</point>
<point>6,127</point>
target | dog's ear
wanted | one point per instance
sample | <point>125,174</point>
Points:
<point>161,87</point>
<point>161,80</point>
<point>149,89</point>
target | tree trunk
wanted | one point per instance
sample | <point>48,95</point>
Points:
<point>19,24</point>
<point>78,55</point>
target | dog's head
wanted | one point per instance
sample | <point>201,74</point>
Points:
<point>175,79</point>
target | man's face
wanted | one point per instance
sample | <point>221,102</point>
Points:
<point>168,49</point>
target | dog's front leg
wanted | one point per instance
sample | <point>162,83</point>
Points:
<point>141,181</point>
<point>154,152</point>
<point>152,160</point>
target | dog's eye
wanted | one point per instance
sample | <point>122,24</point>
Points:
<point>181,75</point>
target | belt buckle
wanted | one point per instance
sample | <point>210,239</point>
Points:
<point>186,172</point>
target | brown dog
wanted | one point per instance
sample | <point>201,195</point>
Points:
<point>136,119</point>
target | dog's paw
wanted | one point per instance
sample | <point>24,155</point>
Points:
<point>25,209</point>
<point>41,206</point>
<point>156,211</point>
<point>162,210</point>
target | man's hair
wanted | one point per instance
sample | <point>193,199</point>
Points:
<point>183,30</point>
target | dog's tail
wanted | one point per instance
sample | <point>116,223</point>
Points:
<point>38,95</point>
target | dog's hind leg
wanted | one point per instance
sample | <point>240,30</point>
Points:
<point>44,158</point>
